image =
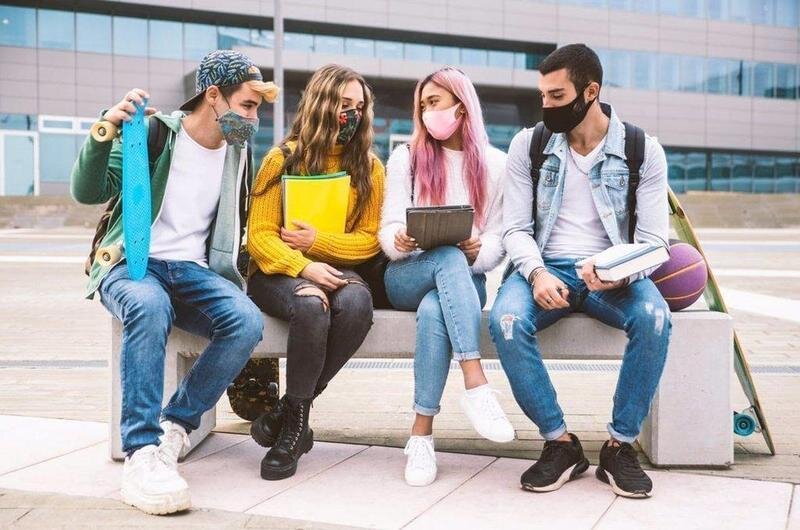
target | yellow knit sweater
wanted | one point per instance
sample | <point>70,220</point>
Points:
<point>272,256</point>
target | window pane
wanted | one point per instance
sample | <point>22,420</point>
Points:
<point>644,6</point>
<point>722,76</point>
<point>692,8</point>
<point>669,7</point>
<point>787,13</point>
<point>417,52</point>
<point>764,80</point>
<point>360,47</point>
<point>717,9</point>
<point>22,122</point>
<point>57,153</point>
<point>198,40</point>
<point>668,73</point>
<point>166,39</point>
<point>786,81</point>
<point>616,68</point>
<point>129,35</point>
<point>643,70</point>
<point>263,38</point>
<point>742,173</point>
<point>520,61</point>
<point>388,49</point>
<point>228,37</point>
<point>473,57</point>
<point>56,29</point>
<point>696,171</point>
<point>692,73</point>
<point>17,26</point>
<point>301,42</point>
<point>446,55</point>
<point>501,59</point>
<point>787,176</point>
<point>763,12</point>
<point>720,172</point>
<point>764,174</point>
<point>94,33</point>
<point>328,44</point>
<point>739,11</point>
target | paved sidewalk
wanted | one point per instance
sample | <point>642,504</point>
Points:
<point>355,486</point>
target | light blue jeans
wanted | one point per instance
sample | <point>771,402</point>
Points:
<point>196,300</point>
<point>638,309</point>
<point>448,299</point>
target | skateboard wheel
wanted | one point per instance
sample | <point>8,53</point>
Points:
<point>108,255</point>
<point>743,424</point>
<point>104,131</point>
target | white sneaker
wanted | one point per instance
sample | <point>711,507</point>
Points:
<point>484,412</point>
<point>421,464</point>
<point>152,485</point>
<point>173,442</point>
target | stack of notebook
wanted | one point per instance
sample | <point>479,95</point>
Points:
<point>319,200</point>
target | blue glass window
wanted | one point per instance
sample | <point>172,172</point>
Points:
<point>695,171</point>
<point>166,39</point>
<point>692,74</point>
<point>228,37</point>
<point>417,52</point>
<point>786,81</point>
<point>327,44</point>
<point>787,174</point>
<point>722,76</point>
<point>56,29</point>
<point>763,12</point>
<point>717,9</point>
<point>764,181</point>
<point>741,173</point>
<point>22,122</point>
<point>473,57</point>
<point>616,68</point>
<point>17,26</point>
<point>643,70</point>
<point>446,55</point>
<point>130,36</point>
<point>787,13</point>
<point>93,33</point>
<point>298,41</point>
<point>388,49</point>
<point>739,11</point>
<point>263,38</point>
<point>57,153</point>
<point>500,59</point>
<point>764,80</point>
<point>720,171</point>
<point>668,72</point>
<point>198,40</point>
<point>360,47</point>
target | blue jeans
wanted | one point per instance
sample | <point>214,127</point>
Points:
<point>197,300</point>
<point>448,299</point>
<point>638,309</point>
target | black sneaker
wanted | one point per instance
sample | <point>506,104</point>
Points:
<point>560,462</point>
<point>619,468</point>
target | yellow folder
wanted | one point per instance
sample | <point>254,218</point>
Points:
<point>319,200</point>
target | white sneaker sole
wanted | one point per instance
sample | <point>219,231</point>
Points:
<point>505,438</point>
<point>158,504</point>
<point>420,483</point>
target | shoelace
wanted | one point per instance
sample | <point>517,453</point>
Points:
<point>290,436</point>
<point>421,453</point>
<point>627,459</point>
<point>173,440</point>
<point>552,450</point>
<point>490,406</point>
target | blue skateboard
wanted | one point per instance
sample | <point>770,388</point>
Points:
<point>136,202</point>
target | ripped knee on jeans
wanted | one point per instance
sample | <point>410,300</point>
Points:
<point>310,290</point>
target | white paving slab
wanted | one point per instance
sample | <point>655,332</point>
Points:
<point>794,515</point>
<point>231,479</point>
<point>25,440</point>
<point>214,443</point>
<point>692,501</point>
<point>494,499</point>
<point>368,490</point>
<point>86,472</point>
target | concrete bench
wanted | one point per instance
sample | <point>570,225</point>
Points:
<point>689,422</point>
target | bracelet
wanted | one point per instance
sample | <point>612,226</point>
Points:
<point>535,274</point>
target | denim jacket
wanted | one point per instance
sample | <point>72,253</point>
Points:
<point>524,238</point>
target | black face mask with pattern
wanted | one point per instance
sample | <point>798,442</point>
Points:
<point>566,117</point>
<point>348,124</point>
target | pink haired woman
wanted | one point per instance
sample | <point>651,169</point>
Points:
<point>448,162</point>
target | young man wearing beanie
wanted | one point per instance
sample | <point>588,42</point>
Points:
<point>199,193</point>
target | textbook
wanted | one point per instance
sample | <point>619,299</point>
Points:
<point>436,226</point>
<point>319,200</point>
<point>621,261</point>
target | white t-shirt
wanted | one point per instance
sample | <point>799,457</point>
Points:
<point>190,202</point>
<point>578,231</point>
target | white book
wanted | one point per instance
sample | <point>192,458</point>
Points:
<point>621,261</point>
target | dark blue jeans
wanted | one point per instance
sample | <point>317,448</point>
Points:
<point>638,309</point>
<point>194,299</point>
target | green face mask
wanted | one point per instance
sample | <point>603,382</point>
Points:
<point>349,121</point>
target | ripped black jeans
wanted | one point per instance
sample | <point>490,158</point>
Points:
<point>324,332</point>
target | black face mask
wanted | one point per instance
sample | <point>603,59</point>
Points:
<point>566,117</point>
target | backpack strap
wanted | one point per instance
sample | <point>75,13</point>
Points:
<point>634,157</point>
<point>157,133</point>
<point>539,140</point>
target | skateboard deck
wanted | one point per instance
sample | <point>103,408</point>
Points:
<point>136,201</point>
<point>753,418</point>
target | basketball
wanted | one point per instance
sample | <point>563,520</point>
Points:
<point>682,279</point>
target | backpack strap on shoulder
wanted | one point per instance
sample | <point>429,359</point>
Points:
<point>157,133</point>
<point>634,157</point>
<point>539,140</point>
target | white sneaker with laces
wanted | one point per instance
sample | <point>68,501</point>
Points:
<point>152,485</point>
<point>421,464</point>
<point>173,442</point>
<point>484,412</point>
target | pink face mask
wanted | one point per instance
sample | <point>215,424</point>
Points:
<point>441,124</point>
